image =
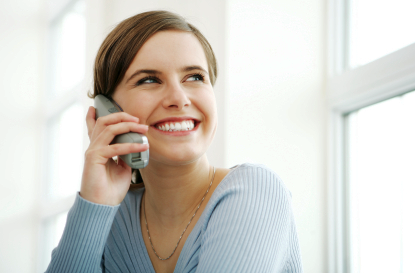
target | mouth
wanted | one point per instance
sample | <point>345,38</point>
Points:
<point>177,124</point>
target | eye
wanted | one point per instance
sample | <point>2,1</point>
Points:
<point>148,80</point>
<point>196,77</point>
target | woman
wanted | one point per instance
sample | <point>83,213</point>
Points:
<point>188,216</point>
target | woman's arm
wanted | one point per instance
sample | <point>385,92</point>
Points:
<point>82,244</point>
<point>104,185</point>
<point>251,228</point>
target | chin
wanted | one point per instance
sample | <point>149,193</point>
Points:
<point>176,157</point>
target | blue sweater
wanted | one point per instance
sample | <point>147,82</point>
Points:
<point>247,226</point>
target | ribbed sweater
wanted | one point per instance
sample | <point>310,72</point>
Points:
<point>247,226</point>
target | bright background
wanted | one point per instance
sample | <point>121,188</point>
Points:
<point>271,92</point>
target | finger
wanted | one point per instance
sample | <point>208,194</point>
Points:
<point>116,118</point>
<point>103,122</point>
<point>118,164</point>
<point>122,149</point>
<point>108,134</point>
<point>90,120</point>
<point>122,163</point>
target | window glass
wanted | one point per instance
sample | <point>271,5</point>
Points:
<point>378,28</point>
<point>65,155</point>
<point>382,182</point>
<point>68,49</point>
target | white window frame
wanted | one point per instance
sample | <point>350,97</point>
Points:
<point>348,90</point>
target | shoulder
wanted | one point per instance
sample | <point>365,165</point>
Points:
<point>251,188</point>
<point>249,216</point>
<point>253,172</point>
<point>255,178</point>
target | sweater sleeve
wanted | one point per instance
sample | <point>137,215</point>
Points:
<point>82,244</point>
<point>251,228</point>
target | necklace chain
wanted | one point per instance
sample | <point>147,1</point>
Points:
<point>174,250</point>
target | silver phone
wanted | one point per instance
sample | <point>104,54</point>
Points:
<point>105,106</point>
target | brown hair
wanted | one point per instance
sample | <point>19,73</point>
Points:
<point>125,40</point>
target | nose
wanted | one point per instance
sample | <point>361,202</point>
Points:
<point>176,97</point>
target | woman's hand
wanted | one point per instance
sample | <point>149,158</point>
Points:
<point>103,180</point>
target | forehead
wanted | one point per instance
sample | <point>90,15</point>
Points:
<point>167,50</point>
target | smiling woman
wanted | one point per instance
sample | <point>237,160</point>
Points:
<point>189,216</point>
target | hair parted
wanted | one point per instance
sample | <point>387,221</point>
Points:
<point>125,40</point>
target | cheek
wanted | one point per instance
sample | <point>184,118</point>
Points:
<point>206,103</point>
<point>210,106</point>
<point>141,106</point>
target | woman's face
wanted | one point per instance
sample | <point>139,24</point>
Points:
<point>167,85</point>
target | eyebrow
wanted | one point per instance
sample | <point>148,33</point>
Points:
<point>193,67</point>
<point>156,72</point>
<point>145,71</point>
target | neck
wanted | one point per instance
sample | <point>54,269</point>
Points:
<point>172,193</point>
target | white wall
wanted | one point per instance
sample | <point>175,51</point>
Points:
<point>275,105</point>
<point>20,85</point>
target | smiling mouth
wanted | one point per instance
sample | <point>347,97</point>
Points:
<point>177,126</point>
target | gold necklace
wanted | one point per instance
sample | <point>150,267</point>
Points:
<point>174,250</point>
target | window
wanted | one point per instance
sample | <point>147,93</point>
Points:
<point>65,134</point>
<point>68,48</point>
<point>64,123</point>
<point>378,28</point>
<point>381,183</point>
<point>370,91</point>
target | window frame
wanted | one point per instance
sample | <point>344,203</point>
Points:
<point>348,90</point>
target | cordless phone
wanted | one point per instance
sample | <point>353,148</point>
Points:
<point>104,106</point>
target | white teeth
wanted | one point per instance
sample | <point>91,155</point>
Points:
<point>185,125</point>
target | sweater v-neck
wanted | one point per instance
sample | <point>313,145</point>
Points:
<point>193,233</point>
